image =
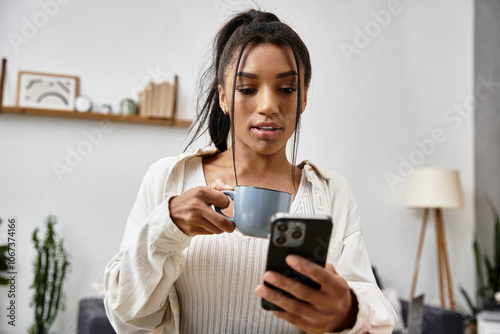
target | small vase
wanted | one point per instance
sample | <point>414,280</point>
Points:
<point>472,329</point>
<point>128,107</point>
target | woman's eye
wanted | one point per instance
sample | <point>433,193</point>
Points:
<point>245,90</point>
<point>288,90</point>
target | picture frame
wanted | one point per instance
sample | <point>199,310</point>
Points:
<point>36,90</point>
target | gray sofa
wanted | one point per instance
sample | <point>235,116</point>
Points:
<point>92,317</point>
<point>436,320</point>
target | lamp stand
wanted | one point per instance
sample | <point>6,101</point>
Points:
<point>442,256</point>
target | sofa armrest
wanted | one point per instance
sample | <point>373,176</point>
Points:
<point>437,320</point>
<point>92,317</point>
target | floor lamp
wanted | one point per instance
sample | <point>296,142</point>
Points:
<point>434,188</point>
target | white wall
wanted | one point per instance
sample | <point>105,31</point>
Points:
<point>364,117</point>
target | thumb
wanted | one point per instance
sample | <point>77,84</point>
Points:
<point>220,185</point>
<point>329,267</point>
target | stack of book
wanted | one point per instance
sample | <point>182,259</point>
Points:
<point>158,100</point>
<point>492,306</point>
<point>490,316</point>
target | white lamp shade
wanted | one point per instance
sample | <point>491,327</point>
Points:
<point>434,188</point>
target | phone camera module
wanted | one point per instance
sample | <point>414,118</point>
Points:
<point>289,233</point>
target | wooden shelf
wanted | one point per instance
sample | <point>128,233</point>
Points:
<point>87,115</point>
<point>96,116</point>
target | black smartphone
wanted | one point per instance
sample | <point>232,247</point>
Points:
<point>307,236</point>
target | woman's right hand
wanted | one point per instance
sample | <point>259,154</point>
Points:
<point>193,214</point>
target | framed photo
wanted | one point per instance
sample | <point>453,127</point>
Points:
<point>46,91</point>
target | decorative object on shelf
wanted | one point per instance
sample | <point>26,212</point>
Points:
<point>435,188</point>
<point>51,266</point>
<point>46,91</point>
<point>106,109</point>
<point>20,110</point>
<point>128,107</point>
<point>83,103</point>
<point>159,100</point>
<point>487,275</point>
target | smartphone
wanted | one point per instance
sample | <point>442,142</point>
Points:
<point>307,236</point>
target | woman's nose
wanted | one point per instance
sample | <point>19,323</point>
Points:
<point>268,102</point>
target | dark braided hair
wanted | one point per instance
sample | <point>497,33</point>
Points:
<point>250,27</point>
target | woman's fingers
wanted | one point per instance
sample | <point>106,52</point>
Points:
<point>313,310</point>
<point>214,197</point>
<point>192,212</point>
<point>220,185</point>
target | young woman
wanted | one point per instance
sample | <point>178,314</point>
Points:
<point>183,268</point>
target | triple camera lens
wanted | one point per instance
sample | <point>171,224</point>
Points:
<point>289,233</point>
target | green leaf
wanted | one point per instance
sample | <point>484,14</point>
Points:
<point>473,308</point>
<point>3,280</point>
<point>3,265</point>
<point>479,267</point>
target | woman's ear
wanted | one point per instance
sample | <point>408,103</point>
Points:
<point>222,99</point>
<point>304,100</point>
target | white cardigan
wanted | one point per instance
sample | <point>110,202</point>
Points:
<point>139,281</point>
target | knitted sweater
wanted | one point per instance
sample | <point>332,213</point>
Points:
<point>163,281</point>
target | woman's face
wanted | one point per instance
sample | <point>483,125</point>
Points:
<point>265,104</point>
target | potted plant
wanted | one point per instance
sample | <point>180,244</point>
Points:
<point>488,276</point>
<point>50,268</point>
<point>4,265</point>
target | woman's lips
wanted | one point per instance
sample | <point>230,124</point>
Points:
<point>267,130</point>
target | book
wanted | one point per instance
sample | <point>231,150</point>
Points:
<point>491,305</point>
<point>148,96</point>
<point>158,100</point>
<point>141,101</point>
<point>164,99</point>
<point>490,315</point>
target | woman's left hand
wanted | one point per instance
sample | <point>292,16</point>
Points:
<point>333,307</point>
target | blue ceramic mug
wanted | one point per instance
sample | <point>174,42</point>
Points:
<point>253,208</point>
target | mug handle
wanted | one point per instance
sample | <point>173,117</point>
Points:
<point>229,193</point>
